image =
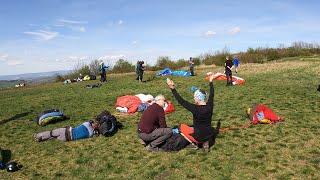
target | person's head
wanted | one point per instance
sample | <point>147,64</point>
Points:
<point>199,97</point>
<point>142,62</point>
<point>95,125</point>
<point>190,58</point>
<point>160,100</point>
<point>227,57</point>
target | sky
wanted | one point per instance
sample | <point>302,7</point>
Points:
<point>49,35</point>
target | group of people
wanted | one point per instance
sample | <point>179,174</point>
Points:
<point>153,130</point>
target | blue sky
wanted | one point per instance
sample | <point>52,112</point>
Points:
<point>47,35</point>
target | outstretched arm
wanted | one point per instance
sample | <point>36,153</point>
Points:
<point>181,101</point>
<point>211,93</point>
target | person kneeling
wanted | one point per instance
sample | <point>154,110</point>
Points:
<point>85,130</point>
<point>152,127</point>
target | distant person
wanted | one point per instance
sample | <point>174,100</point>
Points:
<point>85,130</point>
<point>103,72</point>
<point>228,70</point>
<point>236,63</point>
<point>191,66</point>
<point>202,111</point>
<point>141,71</point>
<point>152,127</point>
<point>137,70</point>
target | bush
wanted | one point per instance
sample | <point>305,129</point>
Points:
<point>123,66</point>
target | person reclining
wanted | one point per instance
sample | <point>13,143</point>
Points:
<point>202,114</point>
<point>85,130</point>
<point>152,127</point>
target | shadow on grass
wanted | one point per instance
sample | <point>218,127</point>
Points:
<point>15,117</point>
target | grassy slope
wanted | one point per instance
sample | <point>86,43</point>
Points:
<point>290,149</point>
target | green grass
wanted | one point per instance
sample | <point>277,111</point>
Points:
<point>283,151</point>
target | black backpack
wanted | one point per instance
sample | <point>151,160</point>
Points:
<point>108,123</point>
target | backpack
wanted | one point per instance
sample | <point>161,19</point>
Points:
<point>108,123</point>
<point>50,116</point>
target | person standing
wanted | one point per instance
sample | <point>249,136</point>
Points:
<point>103,72</point>
<point>236,63</point>
<point>228,70</point>
<point>191,66</point>
<point>141,70</point>
<point>137,70</point>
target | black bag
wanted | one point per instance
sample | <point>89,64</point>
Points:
<point>93,77</point>
<point>108,123</point>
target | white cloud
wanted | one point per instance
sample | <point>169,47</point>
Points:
<point>3,57</point>
<point>66,21</point>
<point>210,33</point>
<point>234,30</point>
<point>134,42</point>
<point>120,22</point>
<point>14,62</point>
<point>43,35</point>
<point>10,60</point>
<point>111,57</point>
<point>75,58</point>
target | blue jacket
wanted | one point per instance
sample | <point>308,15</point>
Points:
<point>83,131</point>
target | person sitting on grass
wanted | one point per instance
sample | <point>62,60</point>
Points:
<point>202,111</point>
<point>85,130</point>
<point>152,127</point>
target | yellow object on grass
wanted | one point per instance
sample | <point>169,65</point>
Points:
<point>86,78</point>
<point>265,121</point>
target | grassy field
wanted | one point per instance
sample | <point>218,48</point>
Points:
<point>289,150</point>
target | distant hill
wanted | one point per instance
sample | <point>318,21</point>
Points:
<point>29,78</point>
<point>33,76</point>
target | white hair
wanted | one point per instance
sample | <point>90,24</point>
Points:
<point>159,97</point>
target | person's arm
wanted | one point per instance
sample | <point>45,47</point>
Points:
<point>211,94</point>
<point>182,102</point>
<point>162,119</point>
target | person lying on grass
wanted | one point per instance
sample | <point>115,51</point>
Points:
<point>85,130</point>
<point>202,114</point>
<point>262,114</point>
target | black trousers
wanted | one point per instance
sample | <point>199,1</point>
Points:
<point>103,77</point>
<point>229,77</point>
<point>192,71</point>
<point>140,75</point>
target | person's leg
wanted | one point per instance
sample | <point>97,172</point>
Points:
<point>43,136</point>
<point>159,136</point>
<point>156,137</point>
<point>59,134</point>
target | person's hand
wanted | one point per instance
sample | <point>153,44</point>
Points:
<point>170,83</point>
